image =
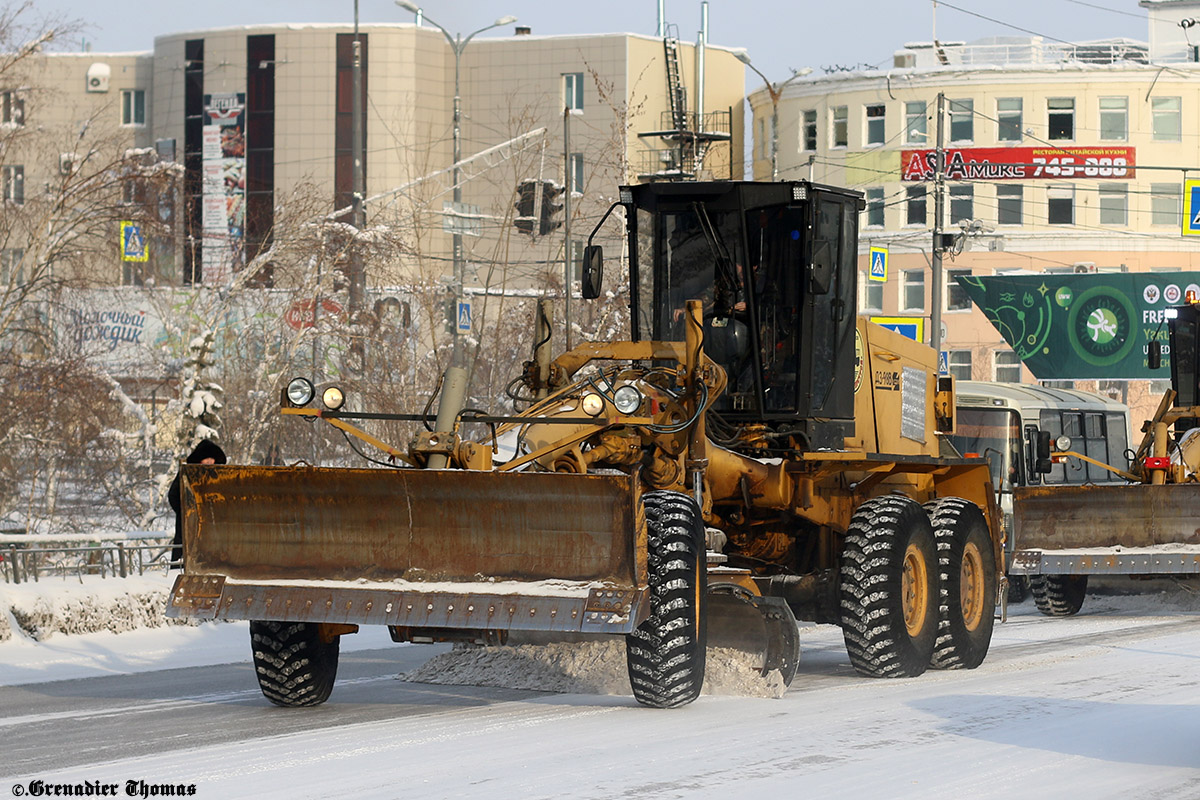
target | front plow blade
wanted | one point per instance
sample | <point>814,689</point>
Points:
<point>1136,515</point>
<point>415,549</point>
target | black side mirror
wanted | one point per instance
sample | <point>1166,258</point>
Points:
<point>1044,463</point>
<point>1154,356</point>
<point>593,271</point>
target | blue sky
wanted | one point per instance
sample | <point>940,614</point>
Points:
<point>778,34</point>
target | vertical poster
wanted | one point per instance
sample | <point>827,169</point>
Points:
<point>224,195</point>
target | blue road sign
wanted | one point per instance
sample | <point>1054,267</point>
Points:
<point>1191,207</point>
<point>464,316</point>
<point>879,259</point>
<point>943,362</point>
<point>133,244</point>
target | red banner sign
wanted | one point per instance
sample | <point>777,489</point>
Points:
<point>1020,163</point>
<point>302,314</point>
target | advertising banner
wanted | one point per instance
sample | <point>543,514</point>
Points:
<point>224,180</point>
<point>1083,326</point>
<point>1020,163</point>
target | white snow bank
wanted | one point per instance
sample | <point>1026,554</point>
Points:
<point>42,609</point>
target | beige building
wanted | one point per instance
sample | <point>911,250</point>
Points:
<point>295,81</point>
<point>1077,116</point>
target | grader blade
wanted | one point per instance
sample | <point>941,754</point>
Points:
<point>762,627</point>
<point>413,549</point>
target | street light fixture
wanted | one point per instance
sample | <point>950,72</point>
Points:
<point>775,90</point>
<point>454,385</point>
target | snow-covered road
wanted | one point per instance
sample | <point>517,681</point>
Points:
<point>1102,705</point>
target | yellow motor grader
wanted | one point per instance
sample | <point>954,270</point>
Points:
<point>755,454</point>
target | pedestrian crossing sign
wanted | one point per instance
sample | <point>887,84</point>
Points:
<point>1191,207</point>
<point>879,257</point>
<point>464,317</point>
<point>133,243</point>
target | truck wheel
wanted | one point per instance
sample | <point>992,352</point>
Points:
<point>665,654</point>
<point>889,588</point>
<point>1018,589</point>
<point>1058,595</point>
<point>295,667</point>
<point>967,573</point>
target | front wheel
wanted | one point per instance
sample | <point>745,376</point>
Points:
<point>889,588</point>
<point>295,665</point>
<point>967,598</point>
<point>665,654</point>
<point>1058,595</point>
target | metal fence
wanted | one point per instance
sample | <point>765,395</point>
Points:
<point>24,564</point>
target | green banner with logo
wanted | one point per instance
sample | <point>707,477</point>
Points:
<point>1083,326</point>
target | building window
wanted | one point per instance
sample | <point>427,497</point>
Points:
<point>573,90</point>
<point>913,290</point>
<point>12,108</point>
<point>914,123</point>
<point>957,298</point>
<point>962,203</point>
<point>809,121</point>
<point>915,196</point>
<point>576,173</point>
<point>871,296</point>
<point>1008,204</point>
<point>12,271</point>
<point>875,207</point>
<point>1008,367</point>
<point>959,362</point>
<point>1009,117</point>
<point>1114,205</point>
<point>1060,118</point>
<point>1114,119</point>
<point>962,120</point>
<point>1165,201</point>
<point>841,128</point>
<point>876,117</point>
<point>13,179</point>
<point>1060,205</point>
<point>133,107</point>
<point>1166,118</point>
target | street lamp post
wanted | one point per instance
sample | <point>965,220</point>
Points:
<point>775,90</point>
<point>454,383</point>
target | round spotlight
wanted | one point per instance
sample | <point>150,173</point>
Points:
<point>627,399</point>
<point>592,404</point>
<point>333,398</point>
<point>300,391</point>
<point>1062,443</point>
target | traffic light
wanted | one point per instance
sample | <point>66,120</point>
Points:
<point>550,209</point>
<point>525,206</point>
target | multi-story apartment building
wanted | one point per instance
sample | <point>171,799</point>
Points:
<point>1041,141</point>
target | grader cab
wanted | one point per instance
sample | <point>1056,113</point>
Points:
<point>754,454</point>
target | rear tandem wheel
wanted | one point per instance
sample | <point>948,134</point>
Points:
<point>295,666</point>
<point>967,597</point>
<point>889,588</point>
<point>665,654</point>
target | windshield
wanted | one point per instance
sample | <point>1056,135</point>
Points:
<point>995,434</point>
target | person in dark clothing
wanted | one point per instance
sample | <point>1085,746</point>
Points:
<point>207,452</point>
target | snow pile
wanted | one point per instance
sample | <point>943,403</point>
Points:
<point>39,610</point>
<point>592,667</point>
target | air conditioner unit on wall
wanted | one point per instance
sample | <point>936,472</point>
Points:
<point>1085,266</point>
<point>98,75</point>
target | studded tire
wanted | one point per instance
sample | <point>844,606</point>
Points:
<point>1058,595</point>
<point>968,583</point>
<point>665,654</point>
<point>295,666</point>
<point>889,588</point>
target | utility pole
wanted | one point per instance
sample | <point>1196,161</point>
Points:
<point>358,273</point>
<point>567,187</point>
<point>939,208</point>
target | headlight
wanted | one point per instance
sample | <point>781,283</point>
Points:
<point>592,404</point>
<point>627,399</point>
<point>333,398</point>
<point>1062,443</point>
<point>300,391</point>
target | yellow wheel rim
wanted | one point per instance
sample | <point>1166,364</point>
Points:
<point>971,587</point>
<point>914,590</point>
